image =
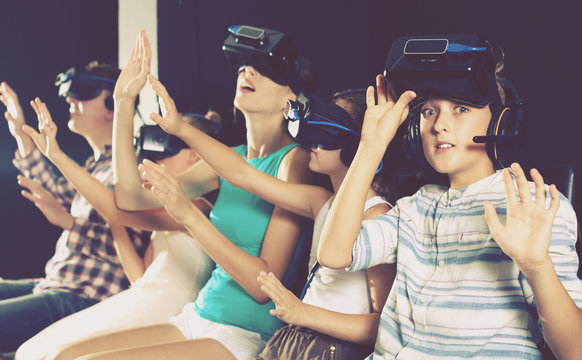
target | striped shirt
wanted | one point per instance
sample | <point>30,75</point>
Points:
<point>85,262</point>
<point>456,294</point>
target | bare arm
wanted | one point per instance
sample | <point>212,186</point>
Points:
<point>99,195</point>
<point>279,241</point>
<point>303,199</point>
<point>133,264</point>
<point>358,328</point>
<point>343,223</point>
<point>526,238</point>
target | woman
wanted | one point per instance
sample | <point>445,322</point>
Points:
<point>230,318</point>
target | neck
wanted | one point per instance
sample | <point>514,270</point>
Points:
<point>265,134</point>
<point>464,179</point>
<point>98,143</point>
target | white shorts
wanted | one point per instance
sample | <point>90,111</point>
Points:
<point>243,344</point>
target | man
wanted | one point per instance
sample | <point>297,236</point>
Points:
<point>84,269</point>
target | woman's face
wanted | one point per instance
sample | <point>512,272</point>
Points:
<point>256,93</point>
<point>447,130</point>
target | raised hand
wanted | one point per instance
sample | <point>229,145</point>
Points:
<point>45,138</point>
<point>171,122</point>
<point>526,235</point>
<point>14,114</point>
<point>51,208</point>
<point>167,189</point>
<point>384,116</point>
<point>288,307</point>
<point>133,77</point>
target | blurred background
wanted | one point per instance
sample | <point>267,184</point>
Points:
<point>347,42</point>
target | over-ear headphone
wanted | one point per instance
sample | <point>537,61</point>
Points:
<point>503,132</point>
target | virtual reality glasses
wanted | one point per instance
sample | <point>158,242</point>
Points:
<point>269,51</point>
<point>82,86</point>
<point>314,121</point>
<point>457,67</point>
<point>154,143</point>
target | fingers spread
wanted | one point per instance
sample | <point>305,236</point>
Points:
<point>381,89</point>
<point>509,189</point>
<point>522,184</point>
<point>492,219</point>
<point>370,99</point>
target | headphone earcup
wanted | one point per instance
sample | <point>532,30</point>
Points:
<point>413,142</point>
<point>503,124</point>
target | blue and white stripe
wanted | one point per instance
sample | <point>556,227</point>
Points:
<point>456,294</point>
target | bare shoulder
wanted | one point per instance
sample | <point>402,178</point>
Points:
<point>294,166</point>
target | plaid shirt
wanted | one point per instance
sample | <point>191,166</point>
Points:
<point>85,262</point>
<point>456,294</point>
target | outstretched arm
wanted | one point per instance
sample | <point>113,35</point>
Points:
<point>344,221</point>
<point>302,199</point>
<point>526,238</point>
<point>15,117</point>
<point>278,244</point>
<point>129,193</point>
<point>98,194</point>
<point>358,328</point>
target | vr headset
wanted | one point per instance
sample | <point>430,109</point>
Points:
<point>270,52</point>
<point>315,121</point>
<point>460,68</point>
<point>155,144</point>
<point>82,86</point>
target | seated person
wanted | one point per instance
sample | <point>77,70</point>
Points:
<point>484,270</point>
<point>85,268</point>
<point>170,274</point>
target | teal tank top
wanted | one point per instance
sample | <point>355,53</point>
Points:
<point>243,218</point>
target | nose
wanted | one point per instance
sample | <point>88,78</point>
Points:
<point>250,71</point>
<point>441,123</point>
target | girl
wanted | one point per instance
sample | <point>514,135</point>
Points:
<point>467,285</point>
<point>172,270</point>
<point>245,235</point>
<point>341,310</point>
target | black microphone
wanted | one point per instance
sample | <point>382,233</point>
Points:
<point>485,139</point>
<point>501,139</point>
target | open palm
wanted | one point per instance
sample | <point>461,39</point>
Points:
<point>526,235</point>
<point>133,77</point>
<point>45,138</point>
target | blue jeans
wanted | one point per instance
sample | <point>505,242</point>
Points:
<point>23,314</point>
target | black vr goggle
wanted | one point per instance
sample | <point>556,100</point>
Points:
<point>314,121</point>
<point>270,52</point>
<point>82,86</point>
<point>155,144</point>
<point>457,67</point>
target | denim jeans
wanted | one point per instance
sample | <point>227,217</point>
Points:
<point>23,314</point>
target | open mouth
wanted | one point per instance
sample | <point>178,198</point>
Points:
<point>444,146</point>
<point>245,86</point>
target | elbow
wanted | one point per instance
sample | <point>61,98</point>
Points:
<point>332,260</point>
<point>124,200</point>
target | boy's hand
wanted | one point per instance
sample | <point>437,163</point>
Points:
<point>384,116</point>
<point>526,236</point>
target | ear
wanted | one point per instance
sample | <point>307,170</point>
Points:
<point>109,116</point>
